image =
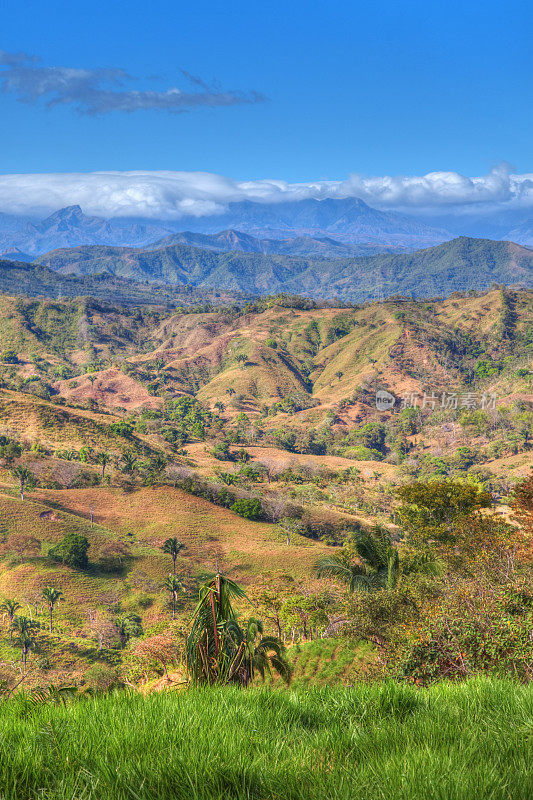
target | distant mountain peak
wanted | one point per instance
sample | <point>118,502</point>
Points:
<point>68,212</point>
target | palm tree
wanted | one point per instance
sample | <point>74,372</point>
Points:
<point>218,649</point>
<point>10,607</point>
<point>173,547</point>
<point>24,478</point>
<point>381,567</point>
<point>92,379</point>
<point>158,463</point>
<point>52,596</point>
<point>128,626</point>
<point>128,461</point>
<point>103,459</point>
<point>230,391</point>
<point>174,585</point>
<point>257,653</point>
<point>23,628</point>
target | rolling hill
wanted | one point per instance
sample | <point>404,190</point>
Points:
<point>34,280</point>
<point>142,423</point>
<point>301,246</point>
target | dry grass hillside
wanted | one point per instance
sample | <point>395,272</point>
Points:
<point>251,435</point>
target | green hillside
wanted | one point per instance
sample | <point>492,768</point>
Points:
<point>459,265</point>
<point>35,280</point>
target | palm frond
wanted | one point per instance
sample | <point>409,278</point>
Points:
<point>335,567</point>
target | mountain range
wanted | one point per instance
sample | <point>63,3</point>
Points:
<point>349,221</point>
<point>70,227</point>
<point>304,246</point>
<point>459,265</point>
<point>329,228</point>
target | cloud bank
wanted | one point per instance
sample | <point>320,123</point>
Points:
<point>174,195</point>
<point>101,91</point>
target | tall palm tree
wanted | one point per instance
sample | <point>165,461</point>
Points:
<point>173,547</point>
<point>218,649</point>
<point>174,585</point>
<point>52,596</point>
<point>23,628</point>
<point>24,478</point>
<point>381,566</point>
<point>103,459</point>
<point>10,607</point>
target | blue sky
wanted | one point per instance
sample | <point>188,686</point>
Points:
<point>394,89</point>
<point>400,88</point>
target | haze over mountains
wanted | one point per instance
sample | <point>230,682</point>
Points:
<point>319,248</point>
<point>329,228</point>
<point>70,227</point>
<point>349,220</point>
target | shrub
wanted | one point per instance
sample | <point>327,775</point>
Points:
<point>121,428</point>
<point>9,357</point>
<point>222,452</point>
<point>362,453</point>
<point>101,677</point>
<point>248,508</point>
<point>72,551</point>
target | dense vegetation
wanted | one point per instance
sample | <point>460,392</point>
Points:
<point>459,265</point>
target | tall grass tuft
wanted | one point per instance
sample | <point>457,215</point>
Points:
<point>469,741</point>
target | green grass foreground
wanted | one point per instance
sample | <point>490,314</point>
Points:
<point>470,740</point>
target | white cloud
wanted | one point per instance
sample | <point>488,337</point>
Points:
<point>173,195</point>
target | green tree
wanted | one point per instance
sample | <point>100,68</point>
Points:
<point>23,627</point>
<point>129,626</point>
<point>303,612</point>
<point>218,649</point>
<point>174,586</point>
<point>25,479</point>
<point>103,459</point>
<point>128,463</point>
<point>121,428</point>
<point>9,357</point>
<point>173,547</point>
<point>381,567</point>
<point>10,607</point>
<point>257,653</point>
<point>437,511</point>
<point>248,508</point>
<point>52,596</point>
<point>72,551</point>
